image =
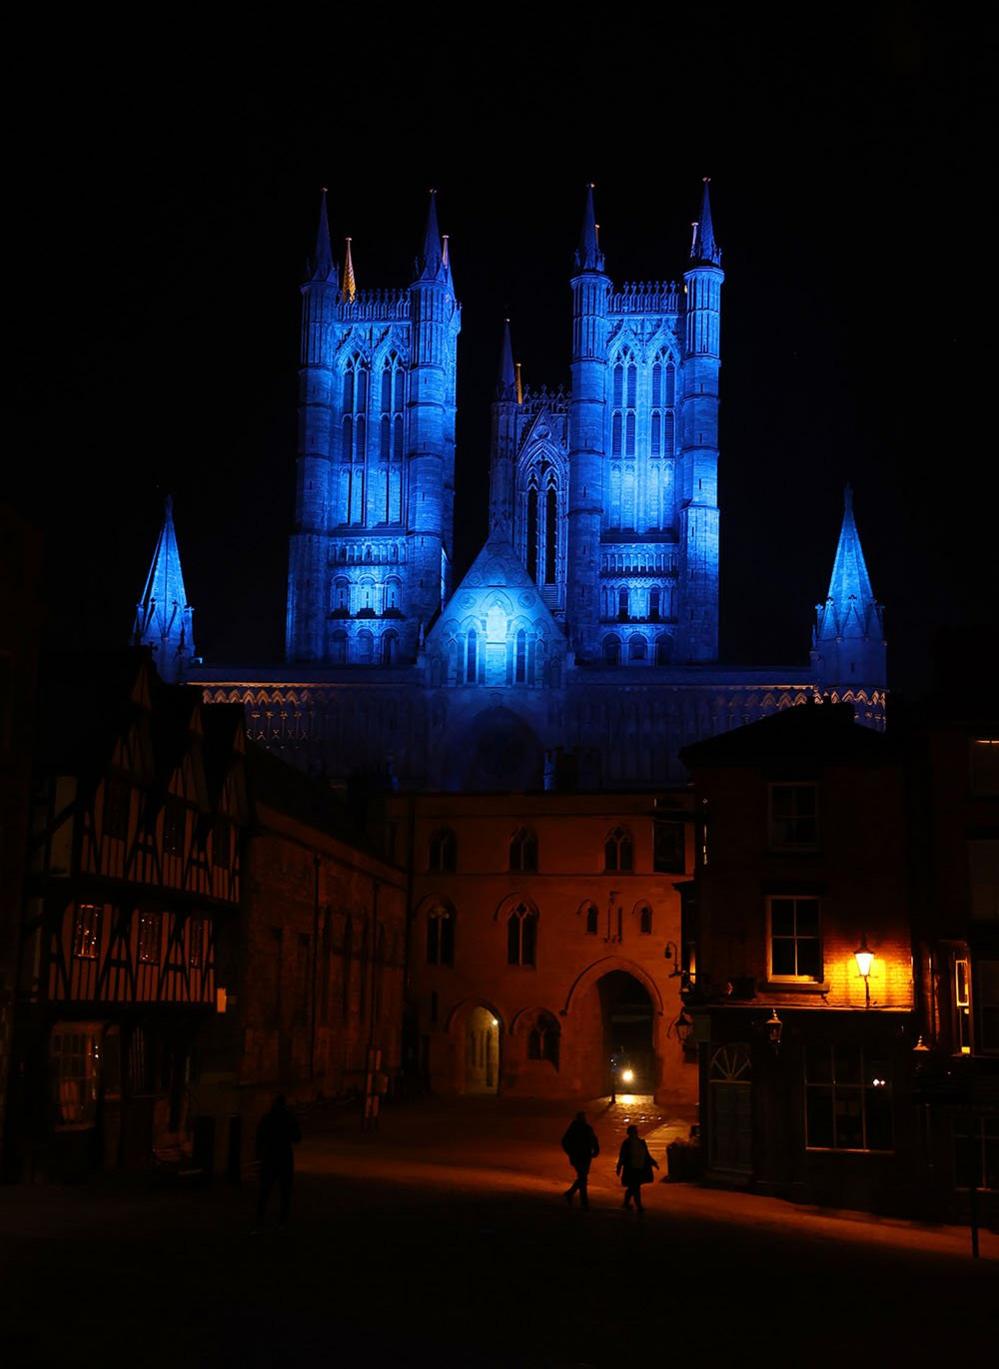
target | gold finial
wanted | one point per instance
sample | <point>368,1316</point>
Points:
<point>349,291</point>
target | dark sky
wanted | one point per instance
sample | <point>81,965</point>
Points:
<point>167,197</point>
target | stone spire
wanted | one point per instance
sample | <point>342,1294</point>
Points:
<point>704,248</point>
<point>506,381</point>
<point>349,283</point>
<point>431,265</point>
<point>323,267</point>
<point>848,641</point>
<point>588,254</point>
<point>164,618</point>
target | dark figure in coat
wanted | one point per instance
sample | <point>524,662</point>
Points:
<point>581,1145</point>
<point>277,1133</point>
<point>635,1166</point>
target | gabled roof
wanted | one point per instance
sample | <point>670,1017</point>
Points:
<point>497,567</point>
<point>813,731</point>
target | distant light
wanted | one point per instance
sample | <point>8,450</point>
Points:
<point>494,1021</point>
<point>627,1076</point>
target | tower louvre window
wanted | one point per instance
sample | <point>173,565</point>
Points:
<point>670,378</point>
<point>616,426</point>
<point>618,386</point>
<point>629,435</point>
<point>551,532</point>
<point>656,434</point>
<point>387,388</point>
<point>386,438</point>
<point>668,434</point>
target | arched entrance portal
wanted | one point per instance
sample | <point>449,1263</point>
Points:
<point>481,1052</point>
<point>628,1019</point>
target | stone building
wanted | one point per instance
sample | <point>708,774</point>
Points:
<point>544,956</point>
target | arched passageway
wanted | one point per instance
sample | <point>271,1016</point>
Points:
<point>627,1018</point>
<point>482,1055</point>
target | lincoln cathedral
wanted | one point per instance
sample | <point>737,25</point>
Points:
<point>580,649</point>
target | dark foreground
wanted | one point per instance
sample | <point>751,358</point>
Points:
<point>444,1240</point>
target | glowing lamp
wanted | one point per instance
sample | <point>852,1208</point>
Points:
<point>775,1028</point>
<point>494,1021</point>
<point>864,958</point>
<point>627,1076</point>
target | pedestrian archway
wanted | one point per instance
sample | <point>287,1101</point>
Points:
<point>482,1056</point>
<point>627,1018</point>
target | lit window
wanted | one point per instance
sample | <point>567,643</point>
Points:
<point>847,1099</point>
<point>150,926</point>
<point>440,936</point>
<point>795,948</point>
<point>794,822</point>
<point>618,850</point>
<point>74,1054</point>
<point>522,935</point>
<point>524,850</point>
<point>443,850</point>
<point>86,931</point>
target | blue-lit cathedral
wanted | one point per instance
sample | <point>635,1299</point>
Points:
<point>580,649</point>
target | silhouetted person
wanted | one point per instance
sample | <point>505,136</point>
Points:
<point>581,1145</point>
<point>277,1133</point>
<point>635,1166</point>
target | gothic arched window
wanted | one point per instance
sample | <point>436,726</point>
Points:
<point>390,648</point>
<point>532,530</point>
<point>524,850</point>
<point>365,647</point>
<point>440,936</point>
<point>393,391</point>
<point>612,649</point>
<point>618,850</point>
<point>522,935</point>
<point>471,656</point>
<point>622,603</point>
<point>443,851</point>
<point>592,920</point>
<point>645,920</point>
<point>520,673</point>
<point>543,1039</point>
<point>638,648</point>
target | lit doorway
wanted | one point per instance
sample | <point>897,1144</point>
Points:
<point>628,1048</point>
<point>482,1052</point>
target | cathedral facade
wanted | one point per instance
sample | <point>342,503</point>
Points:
<point>581,647</point>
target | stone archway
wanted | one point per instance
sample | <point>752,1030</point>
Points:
<point>481,1051</point>
<point>498,750</point>
<point>615,1011</point>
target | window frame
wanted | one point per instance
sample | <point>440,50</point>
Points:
<point>777,843</point>
<point>796,898</point>
<point>525,842</point>
<point>862,1089</point>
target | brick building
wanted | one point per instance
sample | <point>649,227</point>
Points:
<point>803,997</point>
<point>540,926</point>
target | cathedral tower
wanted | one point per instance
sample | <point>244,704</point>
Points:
<point>371,544</point>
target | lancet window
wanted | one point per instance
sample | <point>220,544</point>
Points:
<point>543,1039</point>
<point>392,407</point>
<point>618,850</point>
<point>524,850</point>
<point>522,935</point>
<point>541,522</point>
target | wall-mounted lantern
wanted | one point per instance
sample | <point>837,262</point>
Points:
<point>672,952</point>
<point>864,959</point>
<point>775,1028</point>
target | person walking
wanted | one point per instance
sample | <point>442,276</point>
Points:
<point>582,1147</point>
<point>635,1165</point>
<point>277,1134</point>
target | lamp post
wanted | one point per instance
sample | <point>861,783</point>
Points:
<point>864,959</point>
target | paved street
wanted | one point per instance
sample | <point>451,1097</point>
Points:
<point>444,1239</point>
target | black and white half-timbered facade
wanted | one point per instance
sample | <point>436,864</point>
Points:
<point>139,804</point>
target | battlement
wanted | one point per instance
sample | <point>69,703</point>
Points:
<point>390,306</point>
<point>647,297</point>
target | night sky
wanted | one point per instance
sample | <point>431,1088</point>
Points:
<point>167,198</point>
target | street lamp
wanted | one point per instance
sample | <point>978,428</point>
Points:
<point>864,959</point>
<point>774,1028</point>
